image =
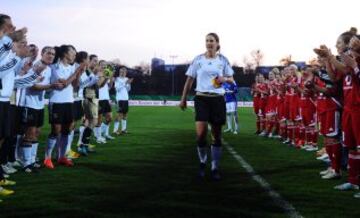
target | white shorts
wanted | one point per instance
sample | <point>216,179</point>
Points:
<point>230,107</point>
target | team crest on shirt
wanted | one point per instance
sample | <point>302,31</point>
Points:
<point>331,129</point>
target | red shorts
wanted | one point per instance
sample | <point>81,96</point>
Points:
<point>270,108</point>
<point>308,115</point>
<point>351,129</point>
<point>329,123</point>
<point>262,106</point>
<point>256,105</point>
<point>281,110</point>
<point>294,113</point>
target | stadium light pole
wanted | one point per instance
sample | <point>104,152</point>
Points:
<point>172,74</point>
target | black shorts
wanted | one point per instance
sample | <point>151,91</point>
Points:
<point>33,117</point>
<point>61,113</point>
<point>5,120</point>
<point>123,107</point>
<point>210,109</point>
<point>78,110</point>
<point>16,119</point>
<point>104,107</point>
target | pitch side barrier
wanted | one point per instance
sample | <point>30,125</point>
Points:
<point>168,103</point>
<point>176,103</point>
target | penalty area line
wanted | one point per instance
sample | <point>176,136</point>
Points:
<point>288,208</point>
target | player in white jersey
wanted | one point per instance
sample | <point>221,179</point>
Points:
<point>122,86</point>
<point>12,143</point>
<point>60,104</point>
<point>15,45</point>
<point>81,57</point>
<point>86,79</point>
<point>105,106</point>
<point>210,70</point>
<point>33,113</point>
<point>94,79</point>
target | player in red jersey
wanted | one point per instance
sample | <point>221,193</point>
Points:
<point>291,99</point>
<point>256,100</point>
<point>344,69</point>
<point>307,110</point>
<point>328,108</point>
<point>270,108</point>
<point>281,115</point>
<point>261,88</point>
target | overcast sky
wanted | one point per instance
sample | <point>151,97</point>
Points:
<point>137,30</point>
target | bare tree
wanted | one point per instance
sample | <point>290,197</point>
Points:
<point>257,56</point>
<point>249,65</point>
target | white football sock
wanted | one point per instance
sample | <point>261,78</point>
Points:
<point>236,122</point>
<point>123,124</point>
<point>202,153</point>
<point>34,150</point>
<point>81,132</point>
<point>69,142</point>
<point>26,155</point>
<point>96,132</point>
<point>51,143</point>
<point>228,119</point>
<point>107,129</point>
<point>116,126</point>
<point>103,128</point>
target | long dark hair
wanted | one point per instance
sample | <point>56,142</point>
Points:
<point>3,18</point>
<point>217,39</point>
<point>61,51</point>
<point>81,56</point>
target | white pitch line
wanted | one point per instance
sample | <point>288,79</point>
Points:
<point>278,200</point>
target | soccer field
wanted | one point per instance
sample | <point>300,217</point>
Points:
<point>152,172</point>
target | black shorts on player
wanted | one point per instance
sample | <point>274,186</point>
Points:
<point>61,113</point>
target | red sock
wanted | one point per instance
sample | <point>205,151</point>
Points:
<point>283,131</point>
<point>277,127</point>
<point>329,151</point>
<point>354,167</point>
<point>263,124</point>
<point>314,137</point>
<point>337,157</point>
<point>302,134</point>
<point>297,132</point>
<point>270,126</point>
<point>290,132</point>
<point>308,136</point>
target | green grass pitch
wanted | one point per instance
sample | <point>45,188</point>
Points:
<point>152,171</point>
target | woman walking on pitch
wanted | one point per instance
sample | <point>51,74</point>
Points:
<point>210,70</point>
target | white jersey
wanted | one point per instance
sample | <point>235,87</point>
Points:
<point>11,80</point>
<point>20,97</point>
<point>104,92</point>
<point>79,93</point>
<point>5,47</point>
<point>122,88</point>
<point>205,70</point>
<point>60,71</point>
<point>34,98</point>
